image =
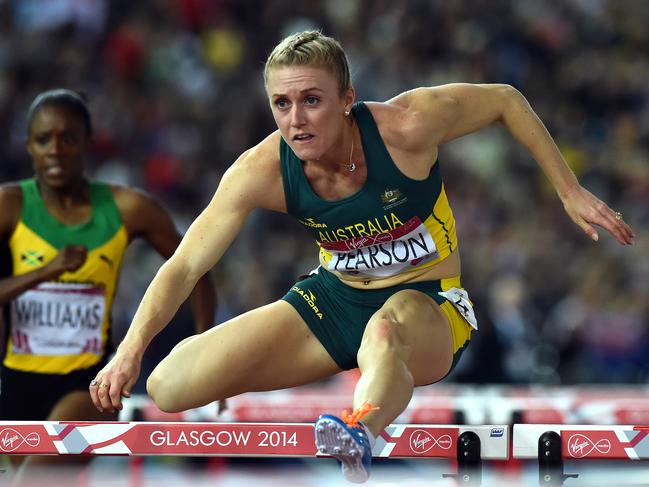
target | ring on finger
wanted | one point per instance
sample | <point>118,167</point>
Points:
<point>93,383</point>
<point>618,215</point>
<point>104,385</point>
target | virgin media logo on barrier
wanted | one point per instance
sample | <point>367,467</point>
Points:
<point>11,440</point>
<point>580,446</point>
<point>422,441</point>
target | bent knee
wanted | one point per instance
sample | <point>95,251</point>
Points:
<point>382,336</point>
<point>184,342</point>
<point>382,331</point>
<point>162,394</point>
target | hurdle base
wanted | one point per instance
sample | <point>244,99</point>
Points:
<point>551,472</point>
<point>469,460</point>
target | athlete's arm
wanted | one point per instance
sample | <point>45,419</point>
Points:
<point>145,218</point>
<point>69,259</point>
<point>450,111</point>
<point>253,181</point>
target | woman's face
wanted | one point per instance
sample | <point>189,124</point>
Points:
<point>57,142</point>
<point>308,109</point>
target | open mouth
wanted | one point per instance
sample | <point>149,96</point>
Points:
<point>54,171</point>
<point>302,137</point>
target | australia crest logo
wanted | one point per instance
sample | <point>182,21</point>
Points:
<point>390,196</point>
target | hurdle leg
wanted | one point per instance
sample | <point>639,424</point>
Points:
<point>469,460</point>
<point>551,460</point>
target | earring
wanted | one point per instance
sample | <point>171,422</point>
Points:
<point>347,113</point>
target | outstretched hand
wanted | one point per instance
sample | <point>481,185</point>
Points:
<point>115,381</point>
<point>586,210</point>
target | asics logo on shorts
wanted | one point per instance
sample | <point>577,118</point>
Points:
<point>310,299</point>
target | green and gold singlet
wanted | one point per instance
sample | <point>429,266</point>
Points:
<point>61,326</point>
<point>392,225</point>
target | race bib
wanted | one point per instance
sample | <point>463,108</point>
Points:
<point>58,318</point>
<point>384,254</point>
<point>460,300</point>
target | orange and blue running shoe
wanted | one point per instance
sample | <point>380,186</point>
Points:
<point>348,441</point>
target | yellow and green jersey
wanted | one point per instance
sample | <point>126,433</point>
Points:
<point>393,224</point>
<point>64,325</point>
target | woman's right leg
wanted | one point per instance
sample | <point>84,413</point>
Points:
<point>264,349</point>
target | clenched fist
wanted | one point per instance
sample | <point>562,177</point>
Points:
<point>69,259</point>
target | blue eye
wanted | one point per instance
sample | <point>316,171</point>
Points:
<point>311,100</point>
<point>281,103</point>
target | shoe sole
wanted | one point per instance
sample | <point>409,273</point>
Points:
<point>333,439</point>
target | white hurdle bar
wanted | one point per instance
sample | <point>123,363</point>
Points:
<point>234,439</point>
<point>620,442</point>
<point>551,444</point>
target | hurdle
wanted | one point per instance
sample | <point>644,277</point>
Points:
<point>468,445</point>
<point>552,444</point>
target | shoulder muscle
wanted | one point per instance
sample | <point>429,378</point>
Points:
<point>254,180</point>
<point>450,111</point>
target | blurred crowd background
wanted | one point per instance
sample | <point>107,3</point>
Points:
<point>175,88</point>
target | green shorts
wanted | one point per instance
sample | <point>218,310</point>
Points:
<point>337,314</point>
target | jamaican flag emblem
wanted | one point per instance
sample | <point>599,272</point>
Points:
<point>32,257</point>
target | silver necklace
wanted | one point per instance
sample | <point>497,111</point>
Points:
<point>351,166</point>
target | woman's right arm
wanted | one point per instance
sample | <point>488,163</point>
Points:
<point>244,187</point>
<point>68,259</point>
<point>253,181</point>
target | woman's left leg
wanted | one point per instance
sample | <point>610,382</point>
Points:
<point>407,342</point>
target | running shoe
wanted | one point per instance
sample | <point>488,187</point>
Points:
<point>347,441</point>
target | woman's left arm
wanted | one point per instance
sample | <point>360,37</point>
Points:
<point>458,109</point>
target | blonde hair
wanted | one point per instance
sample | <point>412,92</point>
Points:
<point>311,48</point>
